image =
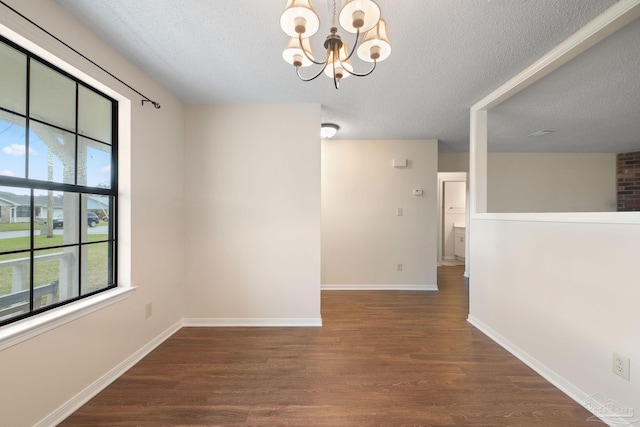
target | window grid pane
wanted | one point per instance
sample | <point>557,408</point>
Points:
<point>15,272</point>
<point>13,79</point>
<point>13,148</point>
<point>52,97</point>
<point>52,154</point>
<point>97,257</point>
<point>94,115</point>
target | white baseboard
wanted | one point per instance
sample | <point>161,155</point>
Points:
<point>606,411</point>
<point>390,287</point>
<point>100,384</point>
<point>253,322</point>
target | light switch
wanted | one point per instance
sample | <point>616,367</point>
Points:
<point>399,163</point>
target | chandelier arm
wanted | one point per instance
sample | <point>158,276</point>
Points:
<point>310,78</point>
<point>365,74</point>
<point>355,45</point>
<point>336,83</point>
<point>310,58</point>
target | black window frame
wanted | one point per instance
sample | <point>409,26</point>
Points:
<point>81,190</point>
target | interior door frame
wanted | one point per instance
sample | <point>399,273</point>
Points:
<point>452,177</point>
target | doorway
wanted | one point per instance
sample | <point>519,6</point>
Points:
<point>453,196</point>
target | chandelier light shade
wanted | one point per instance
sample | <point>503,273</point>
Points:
<point>341,66</point>
<point>360,17</point>
<point>300,19</point>
<point>375,46</point>
<point>294,52</point>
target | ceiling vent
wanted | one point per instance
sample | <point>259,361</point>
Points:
<point>542,132</point>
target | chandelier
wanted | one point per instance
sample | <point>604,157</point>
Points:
<point>300,21</point>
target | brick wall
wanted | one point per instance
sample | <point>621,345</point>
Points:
<point>629,181</point>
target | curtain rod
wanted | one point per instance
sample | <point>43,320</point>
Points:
<point>145,98</point>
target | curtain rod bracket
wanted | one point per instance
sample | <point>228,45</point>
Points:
<point>154,103</point>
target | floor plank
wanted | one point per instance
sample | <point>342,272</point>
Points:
<point>382,358</point>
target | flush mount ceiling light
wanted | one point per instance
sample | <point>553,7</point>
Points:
<point>328,130</point>
<point>300,21</point>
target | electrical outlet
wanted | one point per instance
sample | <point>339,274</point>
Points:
<point>148,310</point>
<point>621,365</point>
<point>399,212</point>
<point>399,266</point>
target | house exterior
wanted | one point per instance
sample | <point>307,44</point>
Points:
<point>7,208</point>
<point>15,207</point>
<point>99,205</point>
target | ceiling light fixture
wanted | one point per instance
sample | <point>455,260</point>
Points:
<point>300,21</point>
<point>328,130</point>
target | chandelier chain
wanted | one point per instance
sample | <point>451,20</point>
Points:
<point>333,11</point>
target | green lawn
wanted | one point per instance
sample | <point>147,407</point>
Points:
<point>19,226</point>
<point>49,270</point>
<point>19,243</point>
<point>16,226</point>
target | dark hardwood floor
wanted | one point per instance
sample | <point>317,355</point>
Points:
<point>381,359</point>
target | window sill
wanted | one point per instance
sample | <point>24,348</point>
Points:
<point>23,330</point>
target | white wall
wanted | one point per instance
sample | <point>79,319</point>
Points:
<point>544,182</point>
<point>453,162</point>
<point>253,198</point>
<point>43,373</point>
<point>362,238</point>
<point>566,294</point>
<point>558,290</point>
<point>551,182</point>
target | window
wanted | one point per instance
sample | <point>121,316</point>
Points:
<point>23,212</point>
<point>58,186</point>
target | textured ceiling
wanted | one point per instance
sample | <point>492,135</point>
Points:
<point>447,54</point>
<point>592,103</point>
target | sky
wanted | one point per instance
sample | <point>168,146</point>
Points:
<point>13,156</point>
